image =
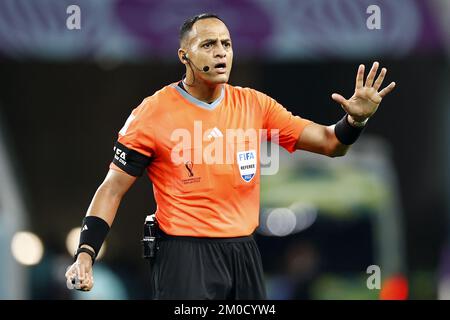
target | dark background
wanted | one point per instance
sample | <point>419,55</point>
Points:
<point>63,120</point>
<point>61,112</point>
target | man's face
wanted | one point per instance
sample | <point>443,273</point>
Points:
<point>209,44</point>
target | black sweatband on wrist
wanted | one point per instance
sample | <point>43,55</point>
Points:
<point>345,132</point>
<point>85,250</point>
<point>93,232</point>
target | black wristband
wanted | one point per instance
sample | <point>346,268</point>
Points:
<point>93,232</point>
<point>345,132</point>
<point>86,250</point>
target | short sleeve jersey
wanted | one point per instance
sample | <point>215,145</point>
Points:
<point>204,159</point>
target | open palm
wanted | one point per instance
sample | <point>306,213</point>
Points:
<point>366,98</point>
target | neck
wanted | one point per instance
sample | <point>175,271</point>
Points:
<point>202,91</point>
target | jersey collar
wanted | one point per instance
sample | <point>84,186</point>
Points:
<point>199,103</point>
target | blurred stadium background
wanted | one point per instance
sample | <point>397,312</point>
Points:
<point>65,94</point>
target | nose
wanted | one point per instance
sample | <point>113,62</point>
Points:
<point>220,52</point>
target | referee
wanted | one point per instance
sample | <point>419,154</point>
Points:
<point>198,140</point>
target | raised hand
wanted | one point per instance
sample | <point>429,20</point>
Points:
<point>366,98</point>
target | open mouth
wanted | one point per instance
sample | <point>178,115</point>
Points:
<point>220,67</point>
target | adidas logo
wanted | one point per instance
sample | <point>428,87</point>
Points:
<point>85,227</point>
<point>216,133</point>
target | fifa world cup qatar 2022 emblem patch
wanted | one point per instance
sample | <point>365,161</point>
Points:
<point>246,161</point>
<point>189,165</point>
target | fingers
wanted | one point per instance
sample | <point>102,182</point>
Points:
<point>370,79</point>
<point>388,89</point>
<point>69,272</point>
<point>69,280</point>
<point>87,283</point>
<point>380,79</point>
<point>70,276</point>
<point>78,278</point>
<point>341,100</point>
<point>371,75</point>
<point>81,271</point>
<point>359,77</point>
<point>77,284</point>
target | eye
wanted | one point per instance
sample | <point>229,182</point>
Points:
<point>227,45</point>
<point>207,45</point>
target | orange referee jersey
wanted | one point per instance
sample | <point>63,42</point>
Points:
<point>204,164</point>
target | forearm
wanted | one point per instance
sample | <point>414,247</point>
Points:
<point>103,208</point>
<point>105,203</point>
<point>335,147</point>
<point>108,196</point>
<point>322,140</point>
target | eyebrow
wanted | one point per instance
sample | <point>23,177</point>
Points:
<point>214,40</point>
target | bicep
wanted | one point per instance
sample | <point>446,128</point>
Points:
<point>281,123</point>
<point>317,138</point>
<point>118,181</point>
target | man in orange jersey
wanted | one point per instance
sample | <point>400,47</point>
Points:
<point>199,141</point>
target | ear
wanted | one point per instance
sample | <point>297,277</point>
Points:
<point>183,56</point>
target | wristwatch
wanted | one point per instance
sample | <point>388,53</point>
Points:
<point>86,250</point>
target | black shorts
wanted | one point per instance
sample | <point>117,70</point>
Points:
<point>207,268</point>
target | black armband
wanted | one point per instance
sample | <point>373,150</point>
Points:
<point>129,160</point>
<point>93,232</point>
<point>345,132</point>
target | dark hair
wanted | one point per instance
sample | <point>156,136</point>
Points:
<point>189,23</point>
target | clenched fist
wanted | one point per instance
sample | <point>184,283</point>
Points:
<point>79,275</point>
